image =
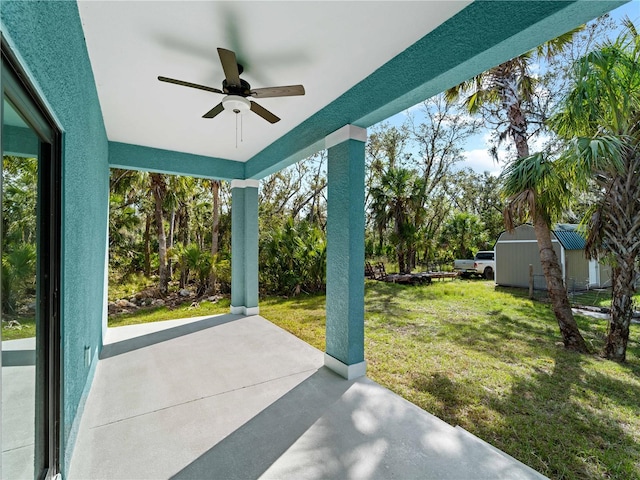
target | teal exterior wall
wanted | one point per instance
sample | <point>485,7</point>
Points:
<point>47,38</point>
<point>345,252</point>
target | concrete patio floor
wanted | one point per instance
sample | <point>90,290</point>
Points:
<point>234,397</point>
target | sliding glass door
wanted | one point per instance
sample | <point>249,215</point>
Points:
<point>30,238</point>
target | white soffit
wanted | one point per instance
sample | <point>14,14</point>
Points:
<point>327,46</point>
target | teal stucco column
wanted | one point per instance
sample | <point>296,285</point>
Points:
<point>244,247</point>
<point>345,252</point>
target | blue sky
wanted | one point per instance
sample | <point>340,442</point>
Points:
<point>477,147</point>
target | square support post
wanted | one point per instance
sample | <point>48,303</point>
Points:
<point>345,252</point>
<point>244,247</point>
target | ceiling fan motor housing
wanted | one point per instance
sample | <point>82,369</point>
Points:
<point>243,90</point>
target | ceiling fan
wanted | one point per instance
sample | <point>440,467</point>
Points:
<point>237,90</point>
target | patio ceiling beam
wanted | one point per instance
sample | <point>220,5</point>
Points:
<point>148,159</point>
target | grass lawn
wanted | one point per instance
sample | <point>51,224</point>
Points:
<point>156,314</point>
<point>24,328</point>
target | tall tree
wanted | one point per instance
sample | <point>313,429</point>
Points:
<point>159,191</point>
<point>536,190</point>
<point>397,199</point>
<point>510,89</point>
<point>464,233</point>
<point>505,94</point>
<point>601,115</point>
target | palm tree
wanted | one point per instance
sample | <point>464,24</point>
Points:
<point>510,86</point>
<point>214,186</point>
<point>159,191</point>
<point>536,190</point>
<point>463,233</point>
<point>397,198</point>
<point>601,115</point>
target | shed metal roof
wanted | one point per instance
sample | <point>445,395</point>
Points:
<point>569,237</point>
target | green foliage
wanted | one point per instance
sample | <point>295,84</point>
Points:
<point>397,199</point>
<point>19,200</point>
<point>19,220</point>
<point>187,218</point>
<point>535,186</point>
<point>464,234</point>
<point>192,260</point>
<point>18,276</point>
<point>293,259</point>
<point>600,118</point>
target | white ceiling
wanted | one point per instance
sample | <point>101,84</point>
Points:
<point>327,46</point>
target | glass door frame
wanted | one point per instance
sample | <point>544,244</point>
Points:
<point>15,86</point>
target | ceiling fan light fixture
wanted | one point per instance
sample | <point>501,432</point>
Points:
<point>236,104</point>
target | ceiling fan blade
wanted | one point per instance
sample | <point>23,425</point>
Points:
<point>214,111</point>
<point>230,66</point>
<point>189,84</point>
<point>264,113</point>
<point>286,91</point>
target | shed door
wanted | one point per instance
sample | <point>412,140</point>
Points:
<point>594,273</point>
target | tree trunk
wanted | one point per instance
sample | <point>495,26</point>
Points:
<point>215,232</point>
<point>511,97</point>
<point>147,246</point>
<point>622,210</point>
<point>401,265</point>
<point>571,336</point>
<point>159,189</point>
<point>615,347</point>
<point>172,224</point>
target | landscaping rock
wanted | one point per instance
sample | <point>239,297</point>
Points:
<point>184,293</point>
<point>124,303</point>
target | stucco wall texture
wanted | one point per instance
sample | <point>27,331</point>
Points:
<point>345,252</point>
<point>48,39</point>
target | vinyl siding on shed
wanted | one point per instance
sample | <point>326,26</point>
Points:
<point>514,253</point>
<point>576,270</point>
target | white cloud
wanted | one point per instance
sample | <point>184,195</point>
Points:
<point>480,161</point>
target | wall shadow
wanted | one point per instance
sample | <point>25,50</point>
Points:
<point>254,447</point>
<point>146,340</point>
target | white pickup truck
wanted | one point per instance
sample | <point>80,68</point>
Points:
<point>482,265</point>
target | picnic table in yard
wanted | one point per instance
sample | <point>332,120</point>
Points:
<point>378,272</point>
